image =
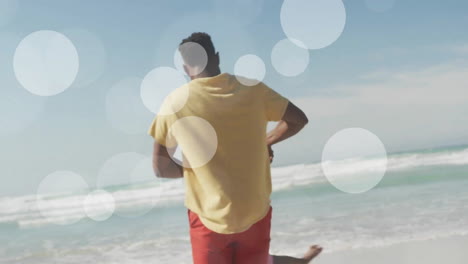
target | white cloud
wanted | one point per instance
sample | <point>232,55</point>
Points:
<point>413,109</point>
<point>461,49</point>
<point>437,85</point>
<point>445,84</point>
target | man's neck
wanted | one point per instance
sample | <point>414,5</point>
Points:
<point>206,74</point>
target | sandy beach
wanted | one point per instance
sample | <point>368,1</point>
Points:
<point>452,250</point>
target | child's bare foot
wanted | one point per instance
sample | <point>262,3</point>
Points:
<point>313,252</point>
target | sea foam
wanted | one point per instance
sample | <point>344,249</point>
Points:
<point>24,212</point>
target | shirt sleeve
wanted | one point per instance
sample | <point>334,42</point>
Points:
<point>275,104</point>
<point>159,130</point>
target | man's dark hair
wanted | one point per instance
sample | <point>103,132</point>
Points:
<point>201,38</point>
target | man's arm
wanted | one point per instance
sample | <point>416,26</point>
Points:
<point>290,124</point>
<point>163,165</point>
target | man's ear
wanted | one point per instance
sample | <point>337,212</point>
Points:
<point>187,70</point>
<point>217,58</point>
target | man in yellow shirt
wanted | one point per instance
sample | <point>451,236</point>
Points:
<point>220,125</point>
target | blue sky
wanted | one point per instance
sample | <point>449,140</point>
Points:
<point>400,73</point>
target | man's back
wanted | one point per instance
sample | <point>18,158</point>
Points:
<point>230,191</point>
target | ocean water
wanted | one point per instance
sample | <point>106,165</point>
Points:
<point>424,195</point>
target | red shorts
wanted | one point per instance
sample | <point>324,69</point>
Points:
<point>248,247</point>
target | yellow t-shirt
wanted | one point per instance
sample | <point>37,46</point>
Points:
<point>231,191</point>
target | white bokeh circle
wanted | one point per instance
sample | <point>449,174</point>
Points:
<point>124,108</point>
<point>316,23</point>
<point>46,63</point>
<point>196,138</point>
<point>289,59</point>
<point>354,160</point>
<point>380,5</point>
<point>60,197</point>
<point>143,172</point>
<point>163,91</point>
<point>99,205</point>
<point>116,170</point>
<point>249,70</point>
<point>120,174</point>
<point>8,9</point>
<point>196,56</point>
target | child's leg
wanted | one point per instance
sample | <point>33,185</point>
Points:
<point>310,254</point>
